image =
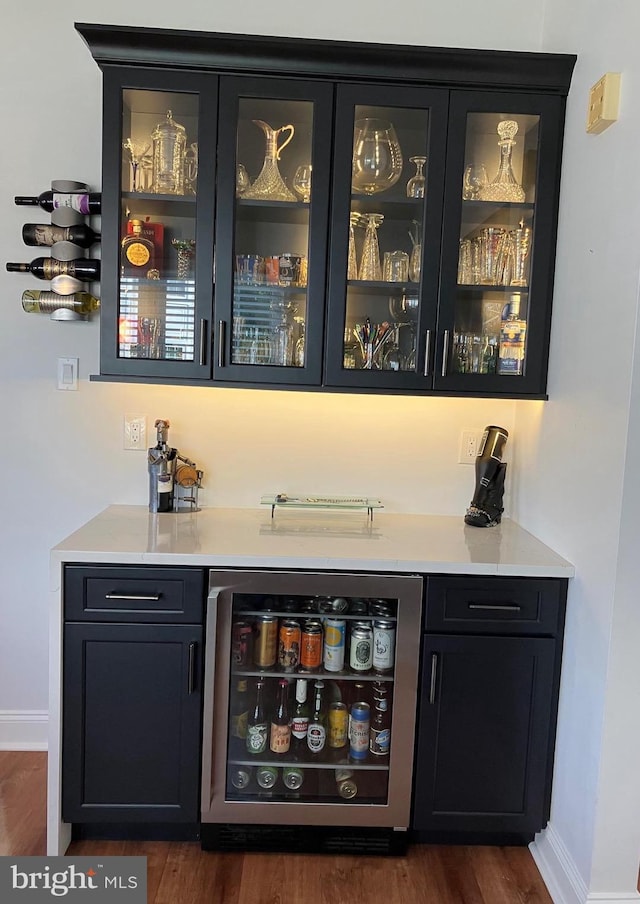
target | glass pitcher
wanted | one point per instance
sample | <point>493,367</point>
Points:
<point>269,186</point>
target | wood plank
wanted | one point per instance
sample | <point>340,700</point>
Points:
<point>181,871</point>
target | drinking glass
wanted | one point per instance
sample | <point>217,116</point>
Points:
<point>377,156</point>
<point>302,182</point>
<point>475,178</point>
<point>136,150</point>
<point>396,266</point>
<point>191,168</point>
<point>416,184</point>
<point>243,182</point>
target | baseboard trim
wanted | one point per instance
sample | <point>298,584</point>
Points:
<point>560,873</point>
<point>23,729</point>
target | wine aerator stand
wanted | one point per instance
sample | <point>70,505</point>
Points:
<point>66,251</point>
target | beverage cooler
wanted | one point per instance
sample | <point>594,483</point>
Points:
<point>309,710</point>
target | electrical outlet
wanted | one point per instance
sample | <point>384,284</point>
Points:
<point>604,100</point>
<point>469,445</point>
<point>135,432</point>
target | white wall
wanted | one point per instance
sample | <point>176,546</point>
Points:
<point>577,480</point>
<point>62,459</point>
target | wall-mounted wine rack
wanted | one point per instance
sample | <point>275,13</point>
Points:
<point>69,237</point>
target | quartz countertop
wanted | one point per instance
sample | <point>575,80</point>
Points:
<point>297,539</point>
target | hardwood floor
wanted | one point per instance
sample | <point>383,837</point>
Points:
<point>180,873</point>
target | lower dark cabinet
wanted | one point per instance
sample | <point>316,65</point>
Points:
<point>486,730</point>
<point>132,722</point>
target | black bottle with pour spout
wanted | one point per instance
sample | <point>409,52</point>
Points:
<point>486,506</point>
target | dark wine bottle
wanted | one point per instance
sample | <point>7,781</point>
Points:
<point>84,202</point>
<point>47,234</point>
<point>86,269</point>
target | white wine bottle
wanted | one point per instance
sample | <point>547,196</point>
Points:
<point>36,302</point>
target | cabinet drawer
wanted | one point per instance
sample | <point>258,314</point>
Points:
<point>494,605</point>
<point>108,593</point>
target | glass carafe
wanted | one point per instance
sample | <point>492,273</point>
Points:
<point>169,144</point>
<point>377,156</point>
<point>505,186</point>
<point>269,185</point>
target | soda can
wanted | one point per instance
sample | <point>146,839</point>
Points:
<point>342,774</point>
<point>267,776</point>
<point>338,725</point>
<point>292,778</point>
<point>384,640</point>
<point>266,643</point>
<point>240,777</point>
<point>289,266</point>
<point>334,635</point>
<point>311,646</point>
<point>241,644</point>
<point>289,645</point>
<point>359,731</point>
<point>360,650</point>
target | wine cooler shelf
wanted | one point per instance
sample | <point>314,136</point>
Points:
<point>302,784</point>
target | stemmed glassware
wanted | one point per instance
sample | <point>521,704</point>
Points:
<point>302,182</point>
<point>416,184</point>
<point>191,168</point>
<point>370,268</point>
<point>474,180</point>
<point>136,150</point>
<point>377,156</point>
<point>243,182</point>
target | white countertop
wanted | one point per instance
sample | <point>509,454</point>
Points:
<point>340,541</point>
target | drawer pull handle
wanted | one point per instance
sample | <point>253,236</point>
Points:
<point>136,597</point>
<point>496,607</point>
<point>432,686</point>
<point>191,686</point>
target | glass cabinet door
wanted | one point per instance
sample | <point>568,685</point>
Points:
<point>495,292</point>
<point>389,171</point>
<point>161,282</point>
<point>271,238</point>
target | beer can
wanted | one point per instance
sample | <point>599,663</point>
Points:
<point>311,646</point>
<point>380,608</point>
<point>241,644</point>
<point>292,777</point>
<point>359,731</point>
<point>334,634</point>
<point>289,268</point>
<point>360,650</point>
<point>357,607</point>
<point>347,788</point>
<point>272,270</point>
<point>267,776</point>
<point>334,604</point>
<point>338,725</point>
<point>240,777</point>
<point>289,645</point>
<point>384,640</point>
<point>342,774</point>
<point>266,642</point>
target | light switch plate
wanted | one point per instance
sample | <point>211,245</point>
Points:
<point>604,102</point>
<point>67,373</point>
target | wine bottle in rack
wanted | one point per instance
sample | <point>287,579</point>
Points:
<point>36,302</point>
<point>86,203</point>
<point>47,234</point>
<point>85,269</point>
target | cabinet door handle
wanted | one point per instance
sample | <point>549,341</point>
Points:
<point>203,342</point>
<point>427,352</point>
<point>192,668</point>
<point>445,353</point>
<point>495,607</point>
<point>434,671</point>
<point>134,597</point>
<point>221,326</point>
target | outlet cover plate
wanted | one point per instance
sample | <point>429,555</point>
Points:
<point>604,102</point>
<point>134,437</point>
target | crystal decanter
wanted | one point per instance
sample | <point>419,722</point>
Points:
<point>505,186</point>
<point>269,185</point>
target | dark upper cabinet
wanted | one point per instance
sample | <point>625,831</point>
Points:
<point>281,212</point>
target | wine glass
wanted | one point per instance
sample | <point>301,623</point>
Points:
<point>377,156</point>
<point>416,184</point>
<point>475,178</point>
<point>243,182</point>
<point>302,182</point>
<point>191,168</point>
<point>136,151</point>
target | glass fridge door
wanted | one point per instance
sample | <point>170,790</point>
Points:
<point>315,691</point>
